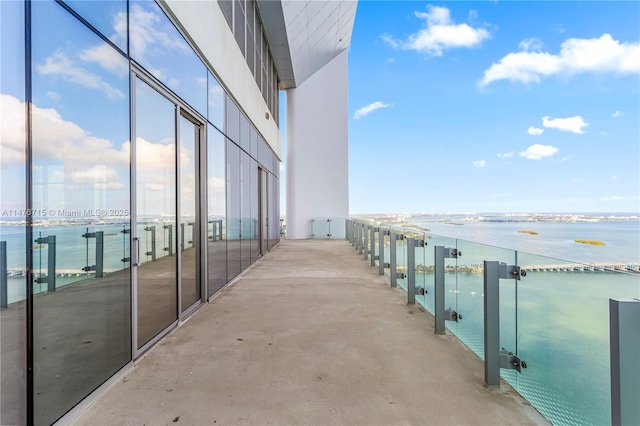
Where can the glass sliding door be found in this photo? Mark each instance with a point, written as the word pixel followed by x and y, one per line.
pixel 216 211
pixel 233 210
pixel 246 225
pixel 155 224
pixel 190 290
pixel 263 212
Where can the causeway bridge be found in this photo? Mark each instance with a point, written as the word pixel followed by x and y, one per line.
pixel 585 267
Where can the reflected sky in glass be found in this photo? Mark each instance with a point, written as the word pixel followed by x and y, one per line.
pixel 80 116
pixel 216 103
pixel 155 153
pixel 158 46
pixel 108 17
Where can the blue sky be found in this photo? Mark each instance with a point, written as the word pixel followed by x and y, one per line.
pixel 494 107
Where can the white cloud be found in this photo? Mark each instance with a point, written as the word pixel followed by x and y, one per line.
pixel 146 34
pixel 577 56
pixel 60 65
pixel 100 177
pixel 614 177
pixel 569 124
pixel 506 155
pixel 615 198
pixel 361 112
pixel 537 151
pixel 107 57
pixel 617 114
pixel 529 44
pixel 535 131
pixel 439 33
pixel 479 163
pixel 501 195
pixel 603 133
pixel 12 148
pixel 57 138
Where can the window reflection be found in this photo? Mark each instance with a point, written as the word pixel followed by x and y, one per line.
pixel 80 172
pixel 155 151
pixel 158 46
pixel 189 217
pixel 255 224
pixel 107 16
pixel 216 211
pixel 13 267
pixel 216 103
pixel 232 120
pixel 233 210
pixel 246 225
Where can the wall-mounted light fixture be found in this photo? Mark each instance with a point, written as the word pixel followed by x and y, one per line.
pixel 266 115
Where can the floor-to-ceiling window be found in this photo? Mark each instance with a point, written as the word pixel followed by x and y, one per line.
pixel 155 232
pixel 80 194
pixel 233 210
pixel 216 211
pixel 109 169
pixel 13 222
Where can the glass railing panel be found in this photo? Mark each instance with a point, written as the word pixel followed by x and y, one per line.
pixel 385 249
pixel 401 259
pixel 468 288
pixel 423 258
pixel 450 277
pixel 563 335
pixel 320 228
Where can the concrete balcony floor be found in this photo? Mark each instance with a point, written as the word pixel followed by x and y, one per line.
pixel 311 334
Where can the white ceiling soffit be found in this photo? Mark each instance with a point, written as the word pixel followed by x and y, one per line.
pixel 304 35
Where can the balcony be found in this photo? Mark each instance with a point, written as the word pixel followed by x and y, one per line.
pixel 309 335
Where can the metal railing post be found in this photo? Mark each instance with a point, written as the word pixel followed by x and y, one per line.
pixel 100 254
pixel 4 299
pixel 624 336
pixel 373 231
pixel 360 238
pixel 412 243
pixel 440 253
pixel 393 264
pixel 366 242
pixel 494 356
pixel 393 256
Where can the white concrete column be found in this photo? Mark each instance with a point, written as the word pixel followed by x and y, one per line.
pixel 317 169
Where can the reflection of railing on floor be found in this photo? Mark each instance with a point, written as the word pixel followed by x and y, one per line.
pixel 50 278
pixel 169 248
pixel 99 266
pixel 216 230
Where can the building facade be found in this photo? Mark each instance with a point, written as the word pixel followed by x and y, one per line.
pixel 140 173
